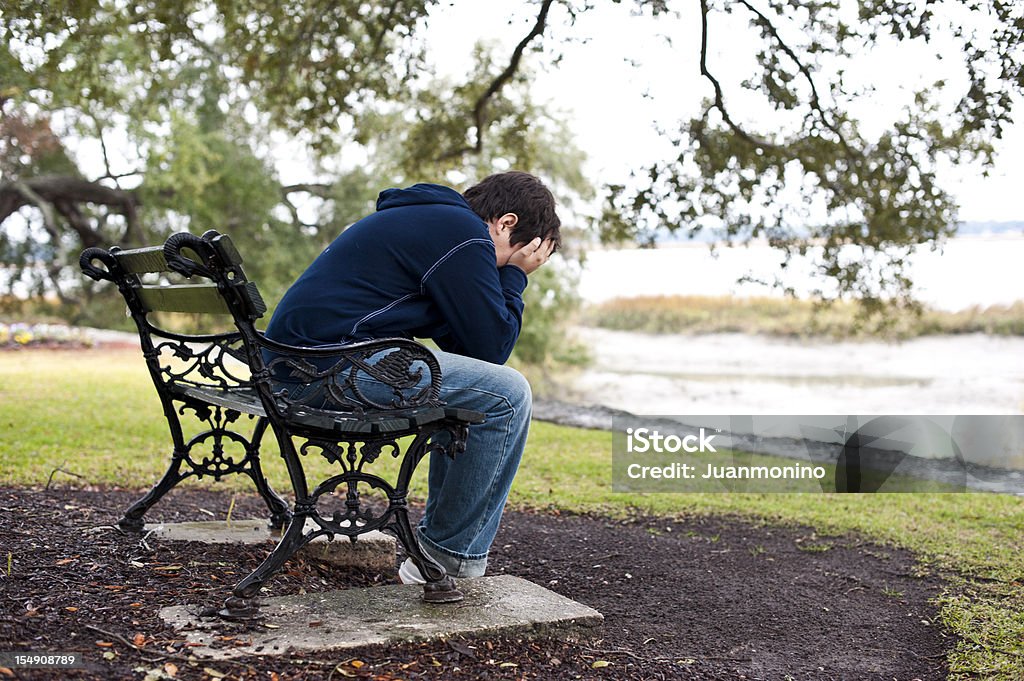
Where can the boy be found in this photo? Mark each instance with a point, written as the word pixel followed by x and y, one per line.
pixel 431 263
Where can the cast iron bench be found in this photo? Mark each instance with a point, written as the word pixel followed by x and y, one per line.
pixel 216 378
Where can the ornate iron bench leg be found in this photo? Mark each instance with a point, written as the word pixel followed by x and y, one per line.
pixel 280 514
pixel 448 438
pixel 243 604
pixel 133 521
pixel 440 588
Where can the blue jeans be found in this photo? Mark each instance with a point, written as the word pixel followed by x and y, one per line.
pixel 466 496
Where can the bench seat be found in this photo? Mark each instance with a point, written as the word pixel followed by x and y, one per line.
pixel 390 422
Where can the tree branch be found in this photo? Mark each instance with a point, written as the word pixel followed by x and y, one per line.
pixel 44 206
pixel 806 72
pixel 70 211
pixel 50 225
pixel 64 193
pixel 719 97
pixel 106 156
pixel 315 188
pixel 480 108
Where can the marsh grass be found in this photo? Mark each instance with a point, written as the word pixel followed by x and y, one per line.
pixel 793 318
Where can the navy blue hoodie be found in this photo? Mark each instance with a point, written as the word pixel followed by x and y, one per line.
pixel 422 266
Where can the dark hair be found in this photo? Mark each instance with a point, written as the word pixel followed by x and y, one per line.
pixel 520 193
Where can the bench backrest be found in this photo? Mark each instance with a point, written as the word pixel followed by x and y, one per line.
pixel 212 256
pixel 184 358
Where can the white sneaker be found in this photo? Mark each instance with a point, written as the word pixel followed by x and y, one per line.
pixel 408 573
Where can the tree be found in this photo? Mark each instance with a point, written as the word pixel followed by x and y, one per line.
pixel 198 87
pixel 868 200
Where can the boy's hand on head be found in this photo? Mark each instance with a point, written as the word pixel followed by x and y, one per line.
pixel 532 255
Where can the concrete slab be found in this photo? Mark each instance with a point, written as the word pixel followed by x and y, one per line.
pixel 373 550
pixel 336 620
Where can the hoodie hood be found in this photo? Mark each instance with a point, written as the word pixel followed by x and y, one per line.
pixel 420 194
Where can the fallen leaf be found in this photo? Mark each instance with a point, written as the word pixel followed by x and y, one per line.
pixel 508 664
pixel 214 673
pixel 462 649
pixel 171 669
pixel 598 664
pixel 135 605
pixel 6 672
pixel 167 567
pixel 65 561
pixel 109 655
pixel 357 663
pixel 139 640
pixel 271 626
pixel 71 608
pixel 274 676
pixel 344 671
pixel 104 644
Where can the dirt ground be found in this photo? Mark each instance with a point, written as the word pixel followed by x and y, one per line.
pixel 695 598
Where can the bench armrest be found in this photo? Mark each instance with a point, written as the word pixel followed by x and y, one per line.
pixel 407 367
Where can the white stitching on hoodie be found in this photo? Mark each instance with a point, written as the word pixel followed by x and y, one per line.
pixel 448 255
pixel 422 280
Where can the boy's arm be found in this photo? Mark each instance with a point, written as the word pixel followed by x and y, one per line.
pixel 482 304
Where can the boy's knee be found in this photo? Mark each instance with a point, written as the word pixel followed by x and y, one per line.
pixel 516 388
pixel 511 385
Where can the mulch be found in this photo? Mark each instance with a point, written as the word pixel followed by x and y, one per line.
pixel 689 598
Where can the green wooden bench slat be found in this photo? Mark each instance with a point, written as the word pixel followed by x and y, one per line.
pixel 142 260
pixel 183 298
pixel 151 259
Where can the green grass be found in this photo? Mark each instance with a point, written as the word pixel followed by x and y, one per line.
pixel 96 413
pixel 794 318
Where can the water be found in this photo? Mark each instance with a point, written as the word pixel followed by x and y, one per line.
pixel 726 374
pixel 749 374
pixel 975 270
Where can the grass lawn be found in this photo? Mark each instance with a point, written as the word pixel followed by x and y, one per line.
pixel 96 413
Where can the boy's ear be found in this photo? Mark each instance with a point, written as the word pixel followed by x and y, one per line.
pixel 508 220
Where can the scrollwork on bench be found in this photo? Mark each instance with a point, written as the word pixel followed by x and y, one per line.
pixel 203 364
pixel 398 364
